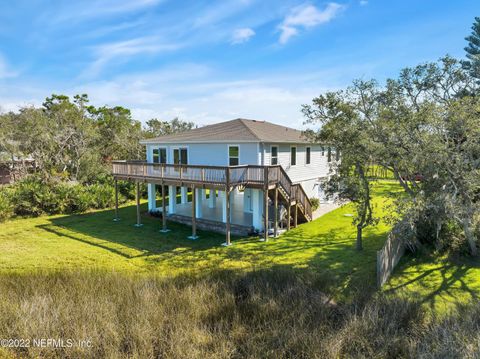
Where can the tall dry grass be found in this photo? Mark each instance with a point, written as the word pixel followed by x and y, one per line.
pixel 268 314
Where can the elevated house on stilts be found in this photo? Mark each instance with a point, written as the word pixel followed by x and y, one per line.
pixel 240 176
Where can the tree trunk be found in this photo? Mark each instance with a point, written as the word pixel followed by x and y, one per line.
pixel 359 245
pixel 470 236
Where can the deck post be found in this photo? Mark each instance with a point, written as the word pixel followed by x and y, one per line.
pixel 194 214
pixel 265 204
pixel 164 210
pixel 116 219
pixel 289 214
pixel 295 215
pixel 227 208
pixel 137 198
pixel 275 225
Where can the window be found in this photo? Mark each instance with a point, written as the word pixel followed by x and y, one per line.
pixel 274 156
pixel 329 154
pixel 307 155
pixel 233 155
pixel 293 156
pixel 159 155
pixel 180 156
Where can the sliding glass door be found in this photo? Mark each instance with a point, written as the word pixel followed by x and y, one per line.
pixel 180 156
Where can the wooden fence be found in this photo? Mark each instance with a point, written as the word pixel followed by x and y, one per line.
pixel 391 252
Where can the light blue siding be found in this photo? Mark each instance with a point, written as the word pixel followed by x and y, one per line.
pixel 210 154
pixel 216 154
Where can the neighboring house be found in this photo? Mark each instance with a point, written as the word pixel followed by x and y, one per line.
pixel 261 166
pixel 14 170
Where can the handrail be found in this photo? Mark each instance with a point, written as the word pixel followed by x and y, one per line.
pixel 170 164
pixel 217 175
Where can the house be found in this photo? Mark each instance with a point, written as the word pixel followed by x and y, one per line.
pixel 242 176
pixel 15 169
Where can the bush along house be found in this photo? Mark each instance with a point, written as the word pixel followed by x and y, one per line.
pixel 240 176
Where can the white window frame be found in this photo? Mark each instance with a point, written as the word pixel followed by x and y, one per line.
pixel 160 148
pixel 228 154
pixel 306 157
pixel 179 148
pixel 296 156
pixel 271 156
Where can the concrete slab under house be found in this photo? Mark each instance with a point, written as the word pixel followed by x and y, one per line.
pixel 243 176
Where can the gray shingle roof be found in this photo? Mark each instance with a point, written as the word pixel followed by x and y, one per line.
pixel 240 130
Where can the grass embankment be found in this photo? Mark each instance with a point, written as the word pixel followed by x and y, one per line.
pixel 261 314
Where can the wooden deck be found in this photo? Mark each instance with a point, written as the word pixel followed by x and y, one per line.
pixel 273 180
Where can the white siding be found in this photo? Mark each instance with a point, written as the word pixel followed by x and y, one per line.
pixel 301 172
pixel 311 188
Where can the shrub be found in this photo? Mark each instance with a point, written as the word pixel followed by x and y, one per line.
pixel 34 196
pixel 6 208
pixel 125 188
pixel 315 203
pixel 101 195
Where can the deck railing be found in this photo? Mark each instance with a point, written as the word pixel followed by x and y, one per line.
pixel 215 175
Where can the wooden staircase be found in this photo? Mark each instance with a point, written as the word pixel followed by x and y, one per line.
pixel 290 194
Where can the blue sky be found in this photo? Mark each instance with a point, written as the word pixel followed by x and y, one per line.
pixel 209 61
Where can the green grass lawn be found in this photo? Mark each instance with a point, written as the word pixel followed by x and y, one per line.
pixel 94 241
pixel 323 248
pixel 439 283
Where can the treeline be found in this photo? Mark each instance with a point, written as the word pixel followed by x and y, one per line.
pixel 72 144
pixel 424 128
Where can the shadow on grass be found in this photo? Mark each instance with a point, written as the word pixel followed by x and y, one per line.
pixel 98 229
pixel 436 281
pixel 324 246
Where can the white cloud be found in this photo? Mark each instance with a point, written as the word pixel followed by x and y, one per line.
pixel 218 12
pixel 306 16
pixel 242 35
pixel 198 92
pixel 123 50
pixel 78 11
